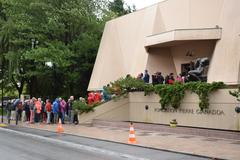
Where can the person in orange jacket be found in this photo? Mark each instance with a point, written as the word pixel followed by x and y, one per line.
pixel 38 108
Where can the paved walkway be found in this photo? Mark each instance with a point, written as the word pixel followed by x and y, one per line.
pixel 210 147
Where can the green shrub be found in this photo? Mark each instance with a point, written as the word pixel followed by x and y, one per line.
pixel 148 89
pixel 235 94
pixel 123 86
pixel 170 95
pixel 202 89
pixel 82 107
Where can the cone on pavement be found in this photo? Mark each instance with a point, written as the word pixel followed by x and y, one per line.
pixel 132 138
pixel 59 127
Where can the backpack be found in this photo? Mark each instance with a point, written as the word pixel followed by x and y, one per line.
pixel 12 107
pixel 15 103
pixel 20 106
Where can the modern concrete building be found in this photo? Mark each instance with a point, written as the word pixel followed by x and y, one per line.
pixel 165 37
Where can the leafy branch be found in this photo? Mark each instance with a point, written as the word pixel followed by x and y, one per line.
pixel 170 95
pixel 235 94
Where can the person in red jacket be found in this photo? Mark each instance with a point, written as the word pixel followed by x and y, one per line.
pixel 97 97
pixel 48 107
pixel 90 98
pixel 19 109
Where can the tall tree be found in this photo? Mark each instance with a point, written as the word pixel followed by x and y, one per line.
pixel 64 33
pixel 50 46
pixel 120 8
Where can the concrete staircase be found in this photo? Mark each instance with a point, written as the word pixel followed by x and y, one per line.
pixel 112 110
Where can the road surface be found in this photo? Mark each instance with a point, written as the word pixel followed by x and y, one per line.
pixel 31 144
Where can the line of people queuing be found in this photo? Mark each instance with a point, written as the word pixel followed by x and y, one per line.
pixel 35 111
pixel 158 78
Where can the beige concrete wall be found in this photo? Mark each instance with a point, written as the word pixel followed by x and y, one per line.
pixel 122 49
pixel 225 60
pixel 186 14
pixel 177 36
pixel 109 62
pixel 160 60
pixel 113 110
pixel 219 101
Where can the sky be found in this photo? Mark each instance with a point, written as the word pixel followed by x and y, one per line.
pixel 141 3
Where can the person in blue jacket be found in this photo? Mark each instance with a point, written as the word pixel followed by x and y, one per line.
pixel 146 77
pixel 55 109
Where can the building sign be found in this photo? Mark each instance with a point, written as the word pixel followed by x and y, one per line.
pixel 191 111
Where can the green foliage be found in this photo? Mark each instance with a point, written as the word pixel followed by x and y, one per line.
pixel 148 89
pixel 235 94
pixel 202 89
pixel 170 95
pixel 120 8
pixel 82 107
pixel 66 33
pixel 123 86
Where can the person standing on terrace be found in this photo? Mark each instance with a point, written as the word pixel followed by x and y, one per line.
pixel 146 77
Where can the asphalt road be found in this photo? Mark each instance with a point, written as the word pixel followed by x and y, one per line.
pixel 31 144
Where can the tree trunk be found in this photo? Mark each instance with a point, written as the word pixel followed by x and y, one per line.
pixel 19 88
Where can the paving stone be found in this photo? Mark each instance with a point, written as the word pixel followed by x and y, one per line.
pixel 164 134
pixel 143 134
pixel 186 137
pixel 237 142
pixel 211 139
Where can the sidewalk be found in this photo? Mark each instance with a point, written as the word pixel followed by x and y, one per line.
pixel 197 145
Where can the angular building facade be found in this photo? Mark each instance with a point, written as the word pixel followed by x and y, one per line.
pixel 167 36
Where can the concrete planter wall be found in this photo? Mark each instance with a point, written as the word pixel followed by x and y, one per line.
pixel 140 108
pixel 220 115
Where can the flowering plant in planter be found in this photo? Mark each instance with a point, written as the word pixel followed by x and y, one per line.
pixel 173 123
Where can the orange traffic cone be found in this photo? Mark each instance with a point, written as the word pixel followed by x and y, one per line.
pixel 132 138
pixel 59 127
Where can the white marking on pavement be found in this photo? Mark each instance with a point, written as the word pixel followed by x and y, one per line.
pixel 74 145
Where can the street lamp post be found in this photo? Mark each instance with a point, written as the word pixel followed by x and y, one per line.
pixel 2 95
pixel 2 83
